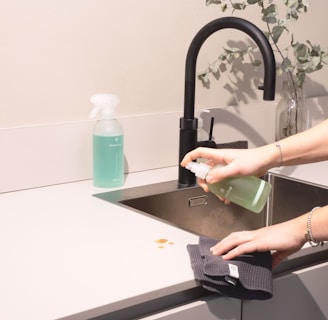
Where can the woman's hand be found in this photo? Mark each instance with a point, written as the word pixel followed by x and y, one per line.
pixel 284 239
pixel 235 162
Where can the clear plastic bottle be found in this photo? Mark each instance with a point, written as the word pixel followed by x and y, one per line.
pixel 247 191
pixel 108 143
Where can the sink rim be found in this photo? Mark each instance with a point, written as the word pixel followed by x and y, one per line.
pixel 121 196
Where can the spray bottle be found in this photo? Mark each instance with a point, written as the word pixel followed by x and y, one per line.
pixel 108 152
pixel 247 191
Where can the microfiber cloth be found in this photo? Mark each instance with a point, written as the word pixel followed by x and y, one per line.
pixel 247 277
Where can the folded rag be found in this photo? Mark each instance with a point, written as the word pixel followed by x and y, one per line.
pixel 247 277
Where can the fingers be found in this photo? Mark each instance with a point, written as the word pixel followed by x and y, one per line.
pixel 203 184
pixel 243 242
pixel 221 161
pixel 219 173
pixel 237 243
pixel 201 152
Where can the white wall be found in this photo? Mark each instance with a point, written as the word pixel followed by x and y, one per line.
pixel 54 54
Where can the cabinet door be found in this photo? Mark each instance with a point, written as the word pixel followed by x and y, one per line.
pixel 209 308
pixel 301 295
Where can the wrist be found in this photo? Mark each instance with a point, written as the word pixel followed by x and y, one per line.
pixel 309 230
pixel 272 155
pixel 280 156
pixel 301 231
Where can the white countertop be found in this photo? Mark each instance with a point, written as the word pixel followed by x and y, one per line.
pixel 65 252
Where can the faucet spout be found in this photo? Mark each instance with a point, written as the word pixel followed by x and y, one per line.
pixel 188 123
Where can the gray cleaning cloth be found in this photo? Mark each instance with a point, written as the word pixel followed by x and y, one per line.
pixel 247 277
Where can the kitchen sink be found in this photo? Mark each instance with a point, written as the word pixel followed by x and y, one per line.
pixel 203 213
pixel 292 197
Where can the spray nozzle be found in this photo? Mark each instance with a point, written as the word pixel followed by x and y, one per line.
pixel 104 102
pixel 199 169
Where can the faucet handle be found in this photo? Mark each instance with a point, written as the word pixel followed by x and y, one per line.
pixel 210 136
pixel 210 143
pixel 261 87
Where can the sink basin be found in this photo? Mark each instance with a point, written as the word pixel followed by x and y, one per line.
pixel 291 198
pixel 203 213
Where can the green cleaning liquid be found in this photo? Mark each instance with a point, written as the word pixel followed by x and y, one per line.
pixel 108 161
pixel 247 191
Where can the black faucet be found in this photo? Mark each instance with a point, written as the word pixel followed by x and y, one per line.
pixel 188 123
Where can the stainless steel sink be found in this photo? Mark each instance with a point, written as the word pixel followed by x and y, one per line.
pixel 291 198
pixel 203 213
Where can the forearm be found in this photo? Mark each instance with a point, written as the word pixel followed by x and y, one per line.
pixel 305 147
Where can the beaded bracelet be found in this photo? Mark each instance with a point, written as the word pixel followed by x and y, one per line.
pixel 309 235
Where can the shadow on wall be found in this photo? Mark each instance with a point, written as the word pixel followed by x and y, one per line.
pixel 318 109
pixel 223 116
pixel 243 79
pixel 317 89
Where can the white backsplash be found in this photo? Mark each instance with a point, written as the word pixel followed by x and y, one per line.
pixel 59 153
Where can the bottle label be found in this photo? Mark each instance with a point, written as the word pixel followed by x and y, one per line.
pixel 108 161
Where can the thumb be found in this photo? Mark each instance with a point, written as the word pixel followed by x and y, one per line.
pixel 219 173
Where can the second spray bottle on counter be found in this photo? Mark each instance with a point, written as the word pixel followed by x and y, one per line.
pixel 108 152
pixel 247 191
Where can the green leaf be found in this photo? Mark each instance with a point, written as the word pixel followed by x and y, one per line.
pixel 301 52
pixel 324 57
pixel 313 64
pixel 237 55
pixel 270 14
pixel 276 33
pixel 305 57
pixel 208 2
pixel 239 6
pixel 286 65
pixel 282 23
pixel 256 63
pixel 224 7
pixel 204 76
pixel 291 3
pixel 222 57
pixel 294 7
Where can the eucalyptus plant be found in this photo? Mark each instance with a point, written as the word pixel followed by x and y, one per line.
pixel 307 57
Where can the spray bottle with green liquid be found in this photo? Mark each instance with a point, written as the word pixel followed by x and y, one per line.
pixel 108 151
pixel 247 191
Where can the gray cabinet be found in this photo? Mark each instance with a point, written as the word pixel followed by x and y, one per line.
pixel 301 295
pixel 209 308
